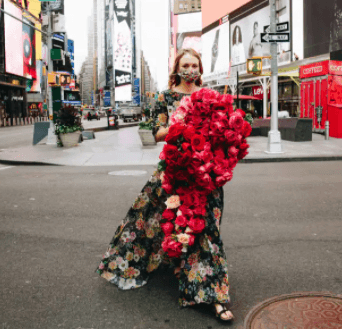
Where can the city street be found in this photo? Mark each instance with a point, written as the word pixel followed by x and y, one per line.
pixel 281 230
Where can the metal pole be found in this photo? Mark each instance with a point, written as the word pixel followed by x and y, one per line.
pixel 264 86
pixel 274 139
pixel 237 89
pixel 52 139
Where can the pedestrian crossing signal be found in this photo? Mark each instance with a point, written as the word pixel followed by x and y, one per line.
pixel 254 65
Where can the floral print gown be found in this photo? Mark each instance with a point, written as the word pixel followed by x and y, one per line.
pixel 135 250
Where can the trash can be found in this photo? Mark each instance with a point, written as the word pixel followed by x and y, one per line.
pixel 112 119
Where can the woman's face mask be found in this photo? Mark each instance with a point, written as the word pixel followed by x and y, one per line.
pixel 189 75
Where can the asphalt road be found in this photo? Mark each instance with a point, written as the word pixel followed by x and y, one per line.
pixel 281 230
pixel 18 136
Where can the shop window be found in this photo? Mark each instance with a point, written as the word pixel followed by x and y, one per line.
pixel 288 90
pixel 295 90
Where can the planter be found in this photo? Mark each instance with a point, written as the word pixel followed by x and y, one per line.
pixel 70 139
pixel 146 137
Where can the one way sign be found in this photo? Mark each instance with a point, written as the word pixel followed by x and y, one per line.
pixel 275 37
pixel 281 27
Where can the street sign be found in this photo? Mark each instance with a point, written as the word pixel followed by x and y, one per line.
pixel 281 27
pixel 275 37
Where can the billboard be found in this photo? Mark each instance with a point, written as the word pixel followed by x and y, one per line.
pixel 14 51
pixel 189 31
pixel 71 50
pixel 245 37
pixel 35 85
pixel 215 49
pixel 122 52
pixel 106 98
pixel 322 27
pixel 29 49
pixel 58 41
pixel 136 94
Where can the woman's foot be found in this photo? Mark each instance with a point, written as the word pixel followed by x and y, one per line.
pixel 223 312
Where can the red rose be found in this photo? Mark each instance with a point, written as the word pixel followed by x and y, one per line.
pixel 238 141
pixel 218 116
pixel 242 154
pixel 171 247
pixel 223 179
pixel 241 112
pixel 219 154
pixel 185 159
pixel 175 131
pixel 199 210
pixel 170 151
pixel 182 175
pixel 197 225
pixel 186 146
pixel 246 129
pixel 230 136
pixel 167 228
pixel 188 133
pixel 203 180
pixel 186 211
pixel 233 151
pixel 217 128
pixel 244 146
pixel 236 121
pixel 227 99
pixel 181 221
pixel 169 214
pixel 191 240
pixel 232 162
pixel 167 187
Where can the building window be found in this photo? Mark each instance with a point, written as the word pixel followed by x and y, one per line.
pixel 180 6
pixel 186 6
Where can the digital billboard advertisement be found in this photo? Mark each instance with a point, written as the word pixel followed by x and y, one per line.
pixel 106 98
pixel 136 94
pixel 322 27
pixel 29 48
pixel 122 43
pixel 71 51
pixel 14 52
pixel 215 49
pixel 245 36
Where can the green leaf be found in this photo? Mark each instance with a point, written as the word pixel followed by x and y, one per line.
pixel 162 165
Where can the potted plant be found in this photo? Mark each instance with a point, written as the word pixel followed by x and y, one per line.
pixel 68 127
pixel 145 133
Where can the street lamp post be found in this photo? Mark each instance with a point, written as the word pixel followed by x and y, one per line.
pixel 52 139
pixel 274 139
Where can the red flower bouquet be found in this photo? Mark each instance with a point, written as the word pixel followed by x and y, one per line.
pixel 206 139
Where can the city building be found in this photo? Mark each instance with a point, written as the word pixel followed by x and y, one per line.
pixel 187 6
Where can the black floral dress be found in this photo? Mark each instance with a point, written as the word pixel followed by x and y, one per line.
pixel 135 250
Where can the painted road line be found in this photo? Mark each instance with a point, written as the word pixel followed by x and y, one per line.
pixel 3 168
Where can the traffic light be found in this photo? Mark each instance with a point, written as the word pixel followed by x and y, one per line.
pixel 254 65
pixel 64 79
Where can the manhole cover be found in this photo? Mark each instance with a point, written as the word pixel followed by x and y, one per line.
pixel 310 310
pixel 128 173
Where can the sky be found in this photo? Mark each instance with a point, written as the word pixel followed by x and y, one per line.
pixel 154 27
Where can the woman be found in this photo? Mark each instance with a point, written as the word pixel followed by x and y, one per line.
pixel 238 52
pixel 135 250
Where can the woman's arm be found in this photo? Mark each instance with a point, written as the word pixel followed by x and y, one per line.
pixel 160 119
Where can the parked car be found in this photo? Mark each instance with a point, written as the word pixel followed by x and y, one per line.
pixel 130 112
pixel 92 114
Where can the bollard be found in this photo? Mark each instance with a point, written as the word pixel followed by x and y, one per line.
pixel 326 130
pixel 18 121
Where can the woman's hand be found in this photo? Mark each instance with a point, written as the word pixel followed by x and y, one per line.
pixel 161 134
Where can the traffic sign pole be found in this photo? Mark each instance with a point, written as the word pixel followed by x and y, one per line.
pixel 274 139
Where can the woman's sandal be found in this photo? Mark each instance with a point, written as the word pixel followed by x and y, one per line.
pixel 224 310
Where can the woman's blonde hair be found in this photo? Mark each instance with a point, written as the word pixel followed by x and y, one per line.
pixel 174 78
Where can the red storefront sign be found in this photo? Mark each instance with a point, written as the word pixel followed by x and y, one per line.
pixel 314 70
pixel 258 92
pixel 335 67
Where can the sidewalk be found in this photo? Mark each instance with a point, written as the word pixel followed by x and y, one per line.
pixel 123 147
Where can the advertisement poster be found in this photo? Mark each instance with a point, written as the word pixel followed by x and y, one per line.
pixel 29 49
pixel 322 27
pixel 215 50
pixel 106 98
pixel 136 94
pixel 122 42
pixel 190 40
pixel 58 41
pixel 14 52
pixel 71 55
pixel 189 31
pixel 245 36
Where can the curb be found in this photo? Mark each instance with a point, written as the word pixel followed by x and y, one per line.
pixel 97 129
pixel 246 161
pixel 293 159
